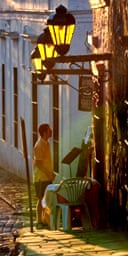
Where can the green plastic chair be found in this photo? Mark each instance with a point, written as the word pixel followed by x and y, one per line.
pixel 70 195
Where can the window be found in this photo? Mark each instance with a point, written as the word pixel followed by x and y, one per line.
pixel 15 88
pixel 3 104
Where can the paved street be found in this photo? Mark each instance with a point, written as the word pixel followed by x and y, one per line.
pixel 12 194
pixel 14 216
pixel 13 198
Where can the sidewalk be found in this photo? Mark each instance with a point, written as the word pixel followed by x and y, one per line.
pixel 78 242
pixel 14 215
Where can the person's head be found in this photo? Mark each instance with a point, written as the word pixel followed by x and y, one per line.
pixel 45 131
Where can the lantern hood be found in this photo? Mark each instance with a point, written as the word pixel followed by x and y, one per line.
pixel 35 53
pixel 61 17
pixel 45 37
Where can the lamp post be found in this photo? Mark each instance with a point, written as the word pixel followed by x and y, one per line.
pixel 61 26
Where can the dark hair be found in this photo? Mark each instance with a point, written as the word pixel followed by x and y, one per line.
pixel 43 128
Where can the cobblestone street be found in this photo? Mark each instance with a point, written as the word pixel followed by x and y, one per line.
pixel 15 223
pixel 12 194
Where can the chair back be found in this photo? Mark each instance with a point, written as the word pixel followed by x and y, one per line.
pixel 73 189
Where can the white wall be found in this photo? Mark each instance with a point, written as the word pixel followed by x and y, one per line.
pixel 42 4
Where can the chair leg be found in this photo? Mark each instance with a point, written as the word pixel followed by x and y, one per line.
pixel 66 217
pixel 52 224
pixel 53 219
pixel 58 217
pixel 85 218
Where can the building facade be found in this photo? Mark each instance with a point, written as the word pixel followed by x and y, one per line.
pixel 20 23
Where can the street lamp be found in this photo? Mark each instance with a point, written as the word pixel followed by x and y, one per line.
pixel 55 42
pixel 61 25
pixel 46 48
pixel 37 63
